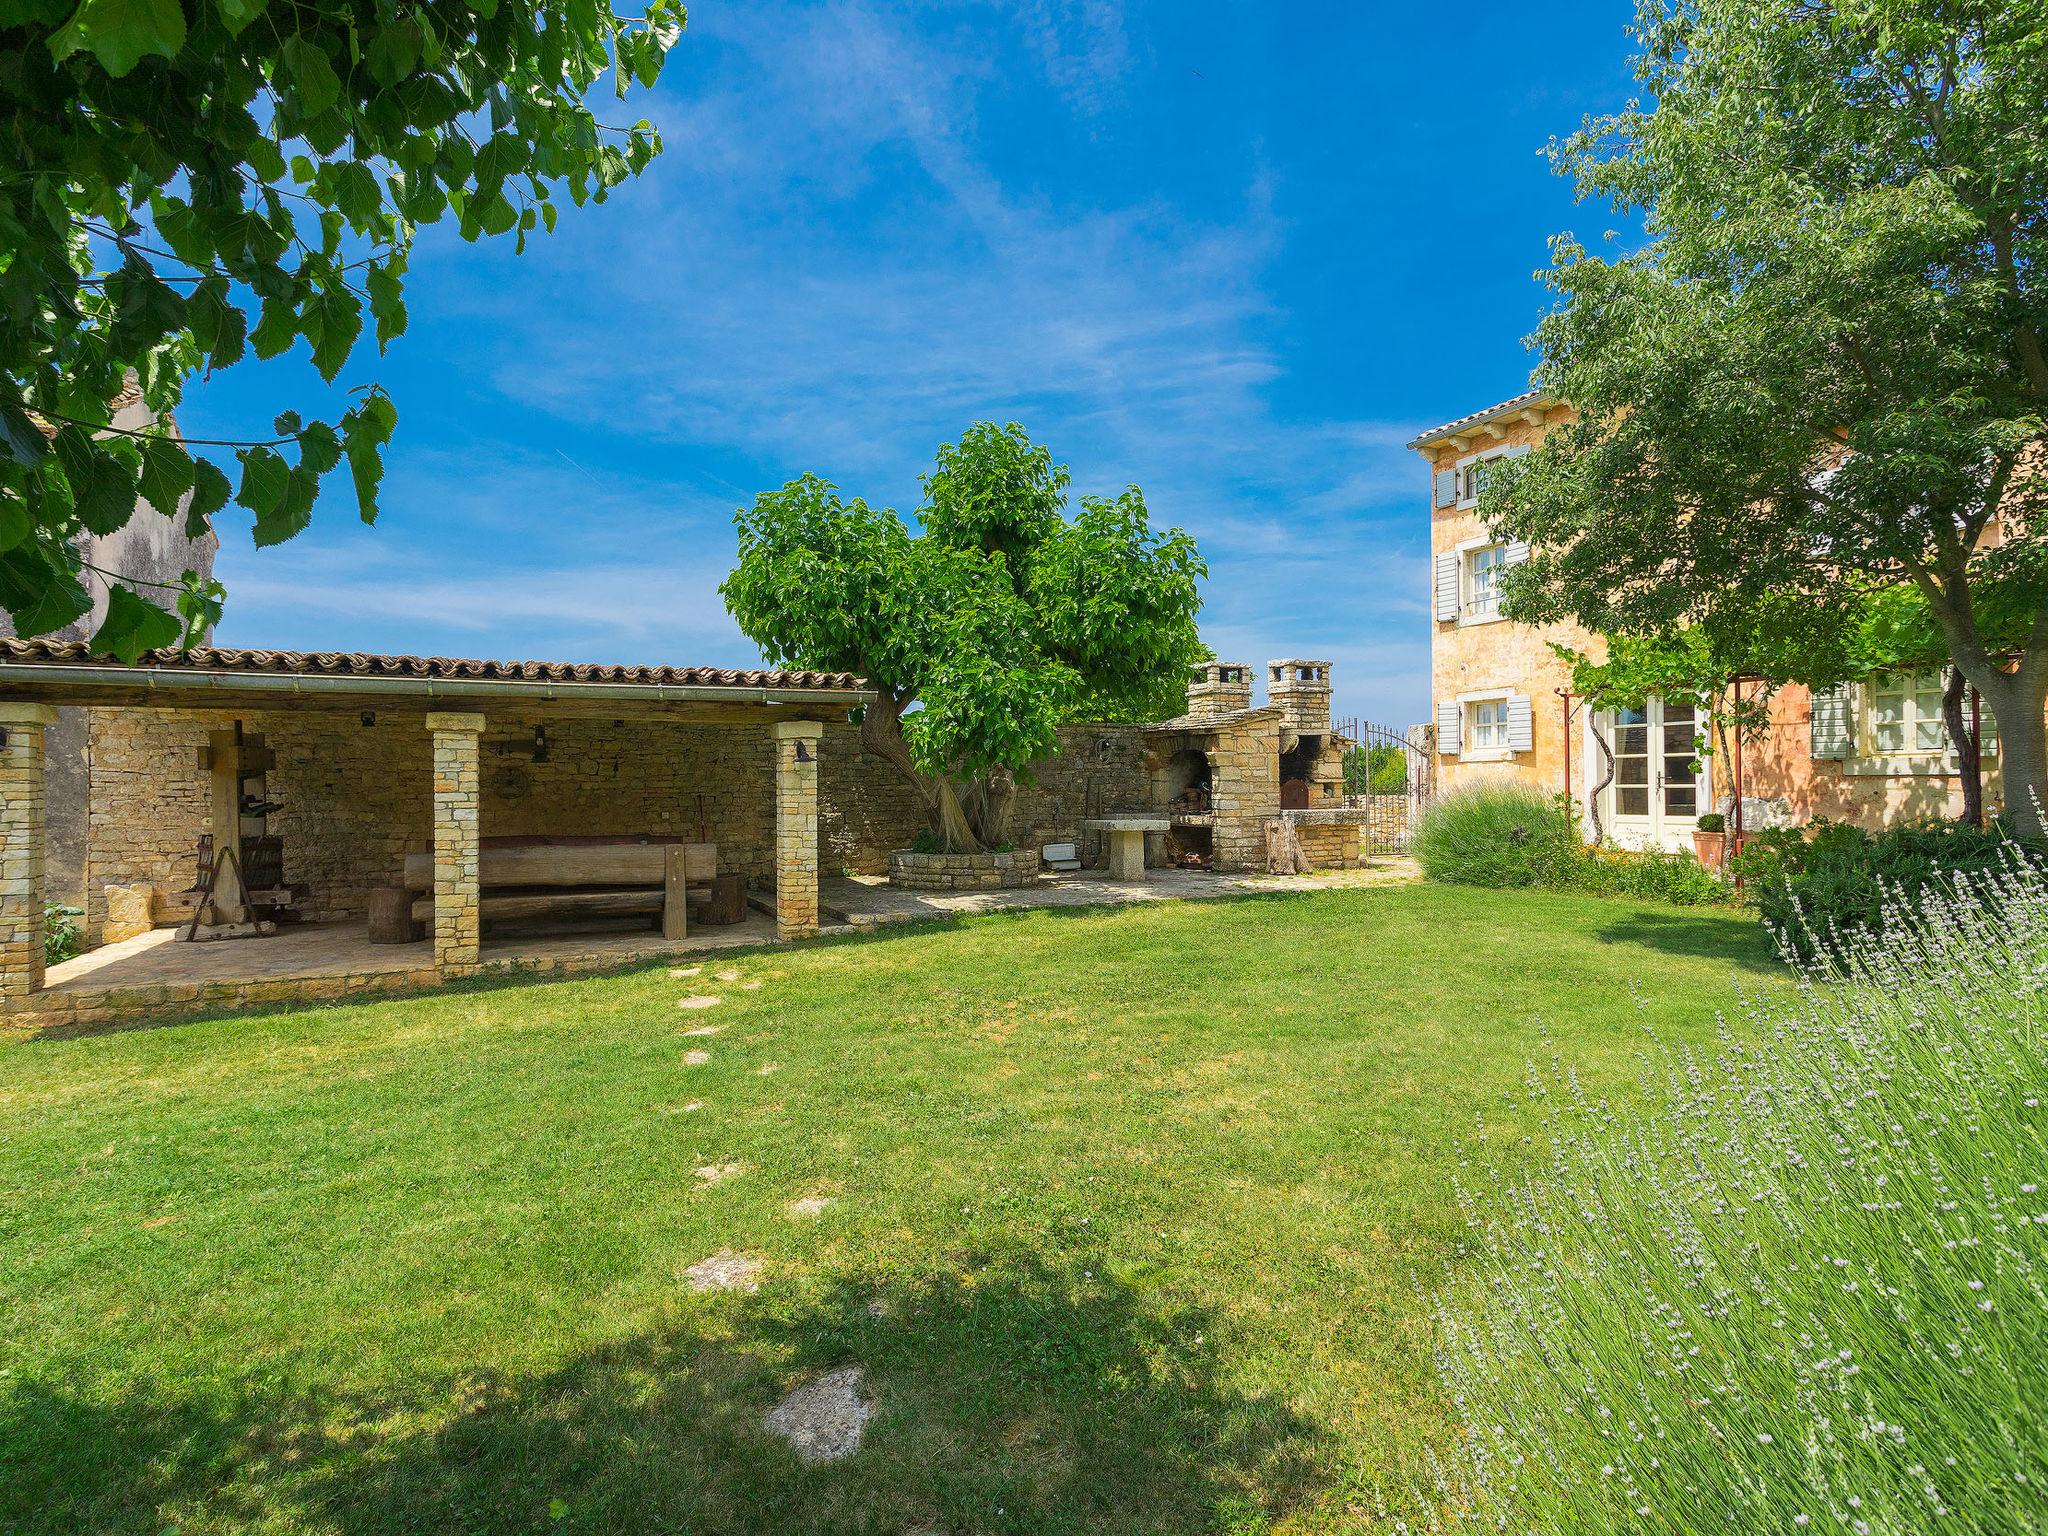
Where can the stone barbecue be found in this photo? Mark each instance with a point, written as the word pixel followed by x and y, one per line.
pixel 1242 784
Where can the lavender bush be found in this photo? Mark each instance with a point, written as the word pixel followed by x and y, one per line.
pixel 1803 1285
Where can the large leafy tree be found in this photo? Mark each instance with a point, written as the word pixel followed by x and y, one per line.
pixel 169 168
pixel 1824 373
pixel 1001 618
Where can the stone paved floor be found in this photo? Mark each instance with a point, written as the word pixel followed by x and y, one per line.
pixel 343 949
pixel 160 958
pixel 866 901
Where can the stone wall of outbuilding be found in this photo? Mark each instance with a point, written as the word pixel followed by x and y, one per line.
pixel 355 793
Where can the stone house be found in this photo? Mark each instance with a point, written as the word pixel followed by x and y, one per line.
pixel 1868 752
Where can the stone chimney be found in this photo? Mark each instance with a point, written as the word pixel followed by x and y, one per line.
pixel 1216 688
pixel 1302 690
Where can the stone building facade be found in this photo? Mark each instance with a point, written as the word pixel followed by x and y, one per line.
pixel 1502 706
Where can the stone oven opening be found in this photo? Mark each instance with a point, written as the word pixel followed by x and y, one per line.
pixel 1187 783
pixel 1296 765
pixel 1191 847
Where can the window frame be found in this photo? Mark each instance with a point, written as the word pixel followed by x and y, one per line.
pixel 1463 551
pixel 1469 749
pixel 1869 758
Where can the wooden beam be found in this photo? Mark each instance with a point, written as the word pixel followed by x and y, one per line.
pixel 225 773
pixel 518 904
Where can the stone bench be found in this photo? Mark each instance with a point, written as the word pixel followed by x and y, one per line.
pixel 571 877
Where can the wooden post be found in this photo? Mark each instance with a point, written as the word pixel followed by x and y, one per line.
pixel 224 758
pixel 675 905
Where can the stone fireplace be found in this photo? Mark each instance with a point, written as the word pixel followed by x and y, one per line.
pixel 1231 775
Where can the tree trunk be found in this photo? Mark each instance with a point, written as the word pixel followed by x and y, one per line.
pixel 2017 701
pixel 1969 759
pixel 1607 775
pixel 966 818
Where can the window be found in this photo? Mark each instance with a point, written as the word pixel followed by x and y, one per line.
pixel 1488 725
pixel 1482 581
pixel 1905 713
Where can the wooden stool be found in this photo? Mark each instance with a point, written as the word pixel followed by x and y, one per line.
pixel 391 919
pixel 728 903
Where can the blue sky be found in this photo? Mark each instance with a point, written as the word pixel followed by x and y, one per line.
pixel 1236 255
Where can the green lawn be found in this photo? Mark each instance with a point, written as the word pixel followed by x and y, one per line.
pixel 1132 1219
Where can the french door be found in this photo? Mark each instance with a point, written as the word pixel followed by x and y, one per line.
pixel 1661 783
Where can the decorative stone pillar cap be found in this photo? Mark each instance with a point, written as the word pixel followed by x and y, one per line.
pixel 799 730
pixel 14 712
pixel 468 724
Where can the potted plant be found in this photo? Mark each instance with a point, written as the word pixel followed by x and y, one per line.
pixel 1710 839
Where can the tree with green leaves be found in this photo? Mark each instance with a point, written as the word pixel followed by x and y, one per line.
pixel 170 167
pixel 1824 374
pixel 999 620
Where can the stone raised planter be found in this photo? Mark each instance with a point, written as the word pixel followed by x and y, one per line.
pixel 963 871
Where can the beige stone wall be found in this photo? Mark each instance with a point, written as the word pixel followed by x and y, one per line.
pixel 1779 767
pixel 1472 657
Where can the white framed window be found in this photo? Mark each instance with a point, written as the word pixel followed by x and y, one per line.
pixel 1899 727
pixel 1905 714
pixel 1483 568
pixel 1486 725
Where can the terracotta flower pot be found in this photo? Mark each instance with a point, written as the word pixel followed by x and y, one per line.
pixel 1712 848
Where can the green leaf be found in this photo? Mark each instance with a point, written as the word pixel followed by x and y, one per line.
pixel 387 300
pixel 277 328
pixel 311 75
pixel 121 33
pixel 133 625
pixel 166 474
pixel 264 477
pixel 15 522
pixel 333 320
pixel 319 447
pixel 102 482
pixel 19 437
pixel 239 13
pixel 294 509
pixel 394 52
pixel 210 490
pixel 39 593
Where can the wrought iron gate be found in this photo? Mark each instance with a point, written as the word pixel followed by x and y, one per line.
pixel 1387 773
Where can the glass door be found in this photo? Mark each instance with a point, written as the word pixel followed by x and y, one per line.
pixel 1659 786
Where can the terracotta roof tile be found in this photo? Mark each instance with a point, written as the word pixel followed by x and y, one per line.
pixel 362 664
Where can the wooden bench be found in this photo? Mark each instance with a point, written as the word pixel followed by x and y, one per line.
pixel 580 877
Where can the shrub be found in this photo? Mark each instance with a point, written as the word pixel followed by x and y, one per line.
pixel 1712 821
pixel 1650 875
pixel 1818 885
pixel 1496 835
pixel 1802 1283
pixel 62 935
pixel 1511 835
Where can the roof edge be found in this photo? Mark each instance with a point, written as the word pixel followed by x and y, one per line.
pixel 1533 399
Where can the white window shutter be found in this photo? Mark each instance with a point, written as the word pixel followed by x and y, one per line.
pixel 1446 488
pixel 1521 724
pixel 1446 587
pixel 1448 715
pixel 1831 722
pixel 1515 553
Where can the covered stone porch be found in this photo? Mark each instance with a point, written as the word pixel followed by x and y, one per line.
pixel 372 759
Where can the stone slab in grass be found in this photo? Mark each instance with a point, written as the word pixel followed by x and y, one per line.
pixel 823 1419
pixel 725 1271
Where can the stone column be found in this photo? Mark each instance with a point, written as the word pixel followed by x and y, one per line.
pixel 21 848
pixel 458 922
pixel 796 827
